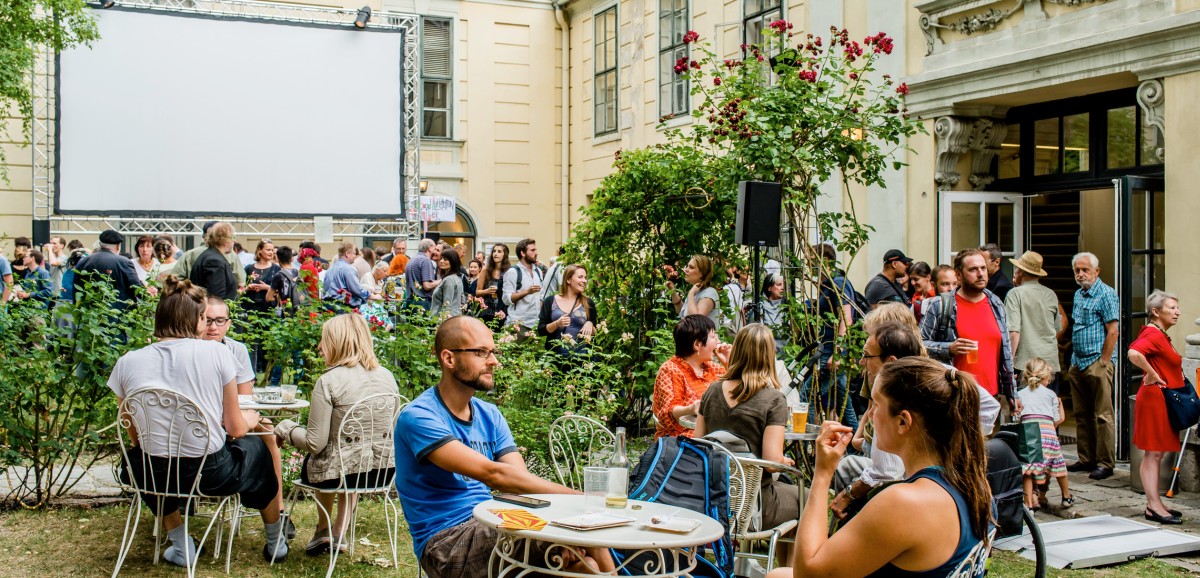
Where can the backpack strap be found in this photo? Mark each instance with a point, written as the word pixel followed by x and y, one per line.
pixel 944 320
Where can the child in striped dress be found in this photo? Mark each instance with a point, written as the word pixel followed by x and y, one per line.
pixel 1042 406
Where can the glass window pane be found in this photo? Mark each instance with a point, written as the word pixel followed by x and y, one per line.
pixel 1159 217
pixel 435 95
pixel 999 226
pixel 1150 145
pixel 1121 127
pixel 753 7
pixel 964 225
pixel 1045 141
pixel 1137 219
pixel 435 124
pixel 1076 155
pixel 1160 275
pixel 1009 159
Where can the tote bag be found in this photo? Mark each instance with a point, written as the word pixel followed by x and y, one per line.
pixel 1029 440
pixel 1183 407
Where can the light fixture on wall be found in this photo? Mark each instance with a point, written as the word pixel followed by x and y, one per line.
pixel 423 185
pixel 364 16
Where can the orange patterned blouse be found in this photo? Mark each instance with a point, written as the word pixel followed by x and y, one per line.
pixel 678 384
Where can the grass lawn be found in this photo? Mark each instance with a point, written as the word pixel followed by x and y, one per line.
pixel 83 542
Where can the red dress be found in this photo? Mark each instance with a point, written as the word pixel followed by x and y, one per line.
pixel 1151 429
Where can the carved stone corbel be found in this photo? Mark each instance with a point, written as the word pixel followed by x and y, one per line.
pixel 1153 99
pixel 953 139
pixel 986 136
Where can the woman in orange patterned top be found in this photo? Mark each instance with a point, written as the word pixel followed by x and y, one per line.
pixel 684 378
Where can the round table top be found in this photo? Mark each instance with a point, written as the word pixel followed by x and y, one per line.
pixel 632 536
pixel 245 403
pixel 803 437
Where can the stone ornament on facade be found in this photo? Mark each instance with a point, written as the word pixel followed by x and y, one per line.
pixel 934 11
pixel 1152 99
pixel 957 135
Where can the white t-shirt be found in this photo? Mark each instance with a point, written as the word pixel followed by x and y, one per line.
pixel 195 368
pixel 245 367
pixel 1040 401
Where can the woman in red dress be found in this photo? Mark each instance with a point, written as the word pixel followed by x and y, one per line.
pixel 1153 354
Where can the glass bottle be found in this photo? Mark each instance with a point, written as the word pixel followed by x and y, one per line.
pixel 618 475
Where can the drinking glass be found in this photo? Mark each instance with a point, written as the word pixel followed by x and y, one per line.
pixel 595 487
pixel 289 392
pixel 799 417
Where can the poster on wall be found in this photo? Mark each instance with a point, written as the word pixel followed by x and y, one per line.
pixel 436 209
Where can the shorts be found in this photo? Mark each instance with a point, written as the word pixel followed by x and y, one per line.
pixel 242 466
pixel 377 478
pixel 465 551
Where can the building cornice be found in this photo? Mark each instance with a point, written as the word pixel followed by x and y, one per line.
pixel 1151 49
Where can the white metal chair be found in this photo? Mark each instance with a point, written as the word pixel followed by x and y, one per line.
pixel 745 483
pixel 578 441
pixel 367 425
pixel 187 425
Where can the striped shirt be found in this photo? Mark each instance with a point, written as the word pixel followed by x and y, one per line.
pixel 1093 308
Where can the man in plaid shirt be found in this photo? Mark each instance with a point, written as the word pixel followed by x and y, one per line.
pixel 1094 340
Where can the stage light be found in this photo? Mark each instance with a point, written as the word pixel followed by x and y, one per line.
pixel 364 16
pixel 108 3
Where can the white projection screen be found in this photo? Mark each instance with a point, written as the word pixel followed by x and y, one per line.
pixel 192 115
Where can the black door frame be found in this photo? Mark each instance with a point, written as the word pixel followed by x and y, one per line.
pixel 1128 378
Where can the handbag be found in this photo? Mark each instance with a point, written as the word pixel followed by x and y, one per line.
pixel 1029 440
pixel 1183 407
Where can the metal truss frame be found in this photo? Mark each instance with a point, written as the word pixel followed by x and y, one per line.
pixel 43 132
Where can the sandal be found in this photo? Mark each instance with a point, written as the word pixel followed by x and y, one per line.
pixel 1068 501
pixel 319 543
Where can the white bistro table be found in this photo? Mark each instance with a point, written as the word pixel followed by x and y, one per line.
pixel 275 411
pixel 659 554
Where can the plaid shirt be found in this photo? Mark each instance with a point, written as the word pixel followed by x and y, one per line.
pixel 1093 308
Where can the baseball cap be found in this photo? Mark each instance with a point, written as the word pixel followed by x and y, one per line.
pixel 894 255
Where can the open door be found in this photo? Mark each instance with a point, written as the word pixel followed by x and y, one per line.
pixel 1140 270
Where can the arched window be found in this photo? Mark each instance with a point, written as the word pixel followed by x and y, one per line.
pixel 460 230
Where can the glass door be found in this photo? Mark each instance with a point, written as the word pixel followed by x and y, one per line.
pixel 1140 270
pixel 973 219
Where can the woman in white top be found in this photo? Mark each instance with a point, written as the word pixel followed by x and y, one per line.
pixel 702 298
pixel 205 372
pixel 144 263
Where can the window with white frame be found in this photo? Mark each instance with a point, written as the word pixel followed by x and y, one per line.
pixel 756 16
pixel 437 70
pixel 604 79
pixel 673 88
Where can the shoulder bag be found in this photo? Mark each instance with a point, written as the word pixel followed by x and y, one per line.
pixel 1183 407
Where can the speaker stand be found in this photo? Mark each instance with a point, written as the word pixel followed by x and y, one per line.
pixel 758 306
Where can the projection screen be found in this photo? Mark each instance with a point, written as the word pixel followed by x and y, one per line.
pixel 193 115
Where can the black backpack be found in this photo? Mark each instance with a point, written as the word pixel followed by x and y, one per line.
pixel 1005 479
pixel 682 472
pixel 859 306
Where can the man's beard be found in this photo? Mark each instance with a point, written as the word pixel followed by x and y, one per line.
pixel 1085 285
pixel 474 382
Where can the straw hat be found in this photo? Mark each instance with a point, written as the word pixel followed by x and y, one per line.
pixel 1029 262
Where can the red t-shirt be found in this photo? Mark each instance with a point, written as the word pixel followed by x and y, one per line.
pixel 977 322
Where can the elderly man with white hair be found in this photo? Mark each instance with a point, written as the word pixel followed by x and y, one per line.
pixel 1093 353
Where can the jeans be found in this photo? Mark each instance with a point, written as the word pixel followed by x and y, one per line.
pixel 824 402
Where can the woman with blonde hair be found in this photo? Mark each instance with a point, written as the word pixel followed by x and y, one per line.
pixel 570 313
pixel 748 402
pixel 211 270
pixel 702 298
pixel 353 375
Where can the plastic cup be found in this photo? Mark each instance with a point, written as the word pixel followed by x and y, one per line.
pixel 799 417
pixel 289 392
pixel 595 487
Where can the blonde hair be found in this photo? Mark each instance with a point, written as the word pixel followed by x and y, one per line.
pixel 218 235
pixel 752 362
pixel 893 312
pixel 705 267
pixel 1037 372
pixel 346 341
pixel 567 274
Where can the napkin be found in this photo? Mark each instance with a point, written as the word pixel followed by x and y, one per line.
pixel 515 519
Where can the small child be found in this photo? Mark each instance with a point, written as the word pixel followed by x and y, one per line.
pixel 1042 406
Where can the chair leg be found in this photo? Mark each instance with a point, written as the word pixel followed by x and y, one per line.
pixel 134 516
pixel 392 518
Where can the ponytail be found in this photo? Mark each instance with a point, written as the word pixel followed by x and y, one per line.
pixel 1037 372
pixel 948 402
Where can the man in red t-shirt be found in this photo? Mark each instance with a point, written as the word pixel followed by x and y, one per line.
pixel 975 338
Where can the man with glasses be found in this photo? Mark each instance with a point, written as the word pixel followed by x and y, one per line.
pixel 453 449
pixel 216 326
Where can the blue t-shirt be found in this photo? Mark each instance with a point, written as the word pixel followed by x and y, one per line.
pixel 435 499
pixel 5 269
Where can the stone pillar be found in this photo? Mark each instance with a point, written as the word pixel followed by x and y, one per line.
pixel 1191 355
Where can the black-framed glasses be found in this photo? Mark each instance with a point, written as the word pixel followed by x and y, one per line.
pixel 480 352
pixel 216 321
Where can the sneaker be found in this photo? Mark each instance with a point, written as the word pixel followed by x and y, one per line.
pixel 319 543
pixel 1068 501
pixel 289 529
pixel 342 545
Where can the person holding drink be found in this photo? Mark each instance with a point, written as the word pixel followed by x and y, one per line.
pixel 973 335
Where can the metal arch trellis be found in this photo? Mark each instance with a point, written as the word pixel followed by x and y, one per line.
pixel 42 132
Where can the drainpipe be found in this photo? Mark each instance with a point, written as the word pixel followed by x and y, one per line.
pixel 566 117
